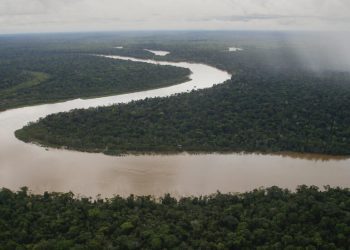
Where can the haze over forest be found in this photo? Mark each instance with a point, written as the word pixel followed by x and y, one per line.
pixel 328 19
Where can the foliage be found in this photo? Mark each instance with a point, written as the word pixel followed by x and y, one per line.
pixel 42 77
pixel 267 112
pixel 275 101
pixel 271 218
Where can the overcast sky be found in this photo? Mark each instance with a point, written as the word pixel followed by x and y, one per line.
pixel 18 16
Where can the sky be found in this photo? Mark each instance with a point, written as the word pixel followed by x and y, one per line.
pixel 26 16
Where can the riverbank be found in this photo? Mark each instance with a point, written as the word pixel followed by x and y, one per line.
pixel 91 174
pixel 268 113
pixel 57 77
pixel 294 155
pixel 264 218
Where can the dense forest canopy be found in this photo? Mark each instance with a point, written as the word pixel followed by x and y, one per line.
pixel 271 218
pixel 275 101
pixel 251 112
pixel 271 50
pixel 35 76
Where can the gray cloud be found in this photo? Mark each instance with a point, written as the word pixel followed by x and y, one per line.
pixel 82 15
pixel 248 18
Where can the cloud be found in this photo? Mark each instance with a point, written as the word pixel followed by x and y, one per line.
pixel 75 15
pixel 247 18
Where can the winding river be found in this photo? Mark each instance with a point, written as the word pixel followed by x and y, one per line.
pixel 91 174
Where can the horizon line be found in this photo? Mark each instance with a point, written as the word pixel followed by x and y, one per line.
pixel 172 30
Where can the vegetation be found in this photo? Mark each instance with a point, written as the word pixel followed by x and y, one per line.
pixel 42 77
pixel 271 218
pixel 275 102
pixel 71 72
pixel 28 79
pixel 252 112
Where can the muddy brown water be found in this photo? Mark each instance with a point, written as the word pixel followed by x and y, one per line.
pixel 90 174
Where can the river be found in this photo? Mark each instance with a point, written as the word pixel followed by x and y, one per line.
pixel 90 174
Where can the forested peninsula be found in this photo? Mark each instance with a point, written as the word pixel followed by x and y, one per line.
pixel 266 112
